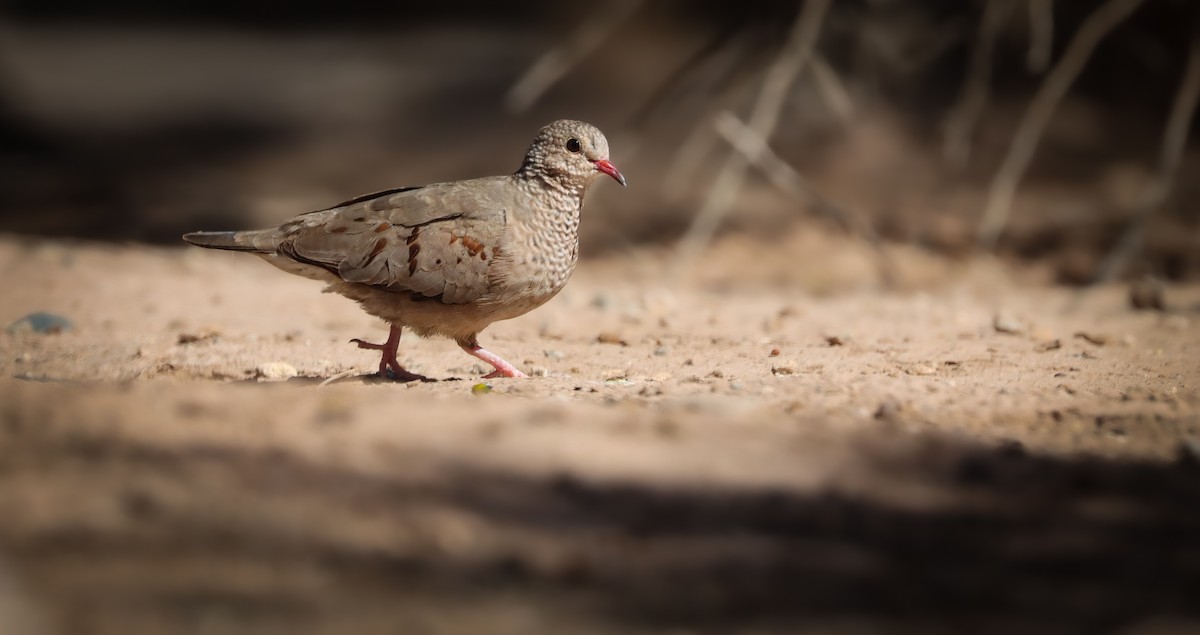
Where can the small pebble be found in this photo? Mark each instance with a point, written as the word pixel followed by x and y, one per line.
pixel 481 389
pixel 785 367
pixel 888 410
pixel 40 322
pixel 608 337
pixel 1093 338
pixel 194 338
pixel 1147 294
pixel 1048 345
pixel 662 351
pixel 275 371
pixel 1006 322
pixel 554 354
pixel 922 369
pixel 1189 450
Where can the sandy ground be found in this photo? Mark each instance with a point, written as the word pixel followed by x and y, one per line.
pixel 768 443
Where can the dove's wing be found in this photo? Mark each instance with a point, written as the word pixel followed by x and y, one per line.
pixel 438 241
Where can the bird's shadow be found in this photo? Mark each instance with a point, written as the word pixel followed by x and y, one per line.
pixel 369 379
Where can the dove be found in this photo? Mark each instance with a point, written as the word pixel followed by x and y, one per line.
pixel 446 259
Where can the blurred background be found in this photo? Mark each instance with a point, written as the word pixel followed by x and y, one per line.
pixel 1042 129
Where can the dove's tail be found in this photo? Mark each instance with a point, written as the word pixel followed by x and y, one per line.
pixel 233 241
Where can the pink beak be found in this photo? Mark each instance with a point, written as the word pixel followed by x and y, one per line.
pixel 605 166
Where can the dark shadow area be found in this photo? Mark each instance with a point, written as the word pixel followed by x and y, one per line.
pixel 1035 544
pixel 148 184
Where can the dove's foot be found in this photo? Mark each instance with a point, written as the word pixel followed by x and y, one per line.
pixel 503 368
pixel 389 366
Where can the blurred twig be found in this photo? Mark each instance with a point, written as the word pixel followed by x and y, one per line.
pixel 688 157
pixel 701 139
pixel 1041 35
pixel 715 61
pixel 1033 123
pixel 1175 135
pixel 961 124
pixel 763 118
pixel 723 58
pixel 832 89
pixel 551 66
pixel 759 154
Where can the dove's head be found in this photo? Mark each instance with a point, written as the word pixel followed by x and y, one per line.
pixel 570 152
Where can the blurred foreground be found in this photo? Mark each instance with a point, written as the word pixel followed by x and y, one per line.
pixel 715 456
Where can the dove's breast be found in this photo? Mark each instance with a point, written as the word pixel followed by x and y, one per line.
pixel 535 261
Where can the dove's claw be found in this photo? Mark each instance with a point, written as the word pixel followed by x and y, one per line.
pixel 389 366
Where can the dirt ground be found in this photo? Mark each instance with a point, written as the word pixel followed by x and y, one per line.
pixel 768 443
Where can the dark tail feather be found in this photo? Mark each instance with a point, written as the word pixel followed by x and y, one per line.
pixel 220 240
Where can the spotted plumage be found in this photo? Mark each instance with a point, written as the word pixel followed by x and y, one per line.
pixel 447 259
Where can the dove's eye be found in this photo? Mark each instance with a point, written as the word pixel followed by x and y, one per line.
pixel 573 145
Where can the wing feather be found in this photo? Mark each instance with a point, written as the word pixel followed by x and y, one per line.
pixel 436 241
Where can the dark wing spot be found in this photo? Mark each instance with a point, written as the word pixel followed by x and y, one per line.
pixel 382 227
pixel 289 250
pixel 483 255
pixel 473 246
pixel 453 238
pixel 413 236
pixel 413 250
pixel 341 229
pixel 379 247
pixel 439 219
pixel 374 195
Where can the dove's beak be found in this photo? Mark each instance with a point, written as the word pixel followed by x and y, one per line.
pixel 606 166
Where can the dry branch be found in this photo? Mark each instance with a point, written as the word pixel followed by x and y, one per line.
pixel 555 63
pixel 1041 35
pixel 831 89
pixel 1174 141
pixel 723 59
pixel 1033 123
pixel 763 118
pixel 961 124
pixel 759 154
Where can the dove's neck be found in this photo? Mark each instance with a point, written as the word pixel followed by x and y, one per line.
pixel 566 189
pixel 546 236
pixel 554 203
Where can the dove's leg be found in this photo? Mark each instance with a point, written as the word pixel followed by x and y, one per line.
pixel 388 359
pixel 503 368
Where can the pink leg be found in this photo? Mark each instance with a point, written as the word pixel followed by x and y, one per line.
pixel 388 360
pixel 503 368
